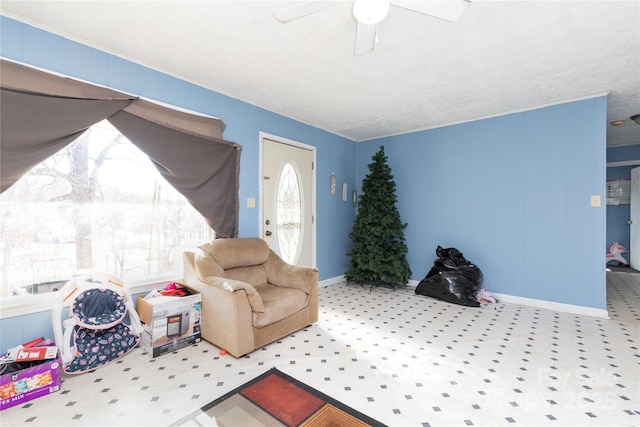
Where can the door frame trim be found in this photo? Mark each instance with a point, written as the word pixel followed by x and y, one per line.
pixel 297 144
pixel 634 221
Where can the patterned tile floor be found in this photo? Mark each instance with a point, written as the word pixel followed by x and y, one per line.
pixel 404 359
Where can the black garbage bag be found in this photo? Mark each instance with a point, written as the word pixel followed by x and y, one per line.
pixel 452 278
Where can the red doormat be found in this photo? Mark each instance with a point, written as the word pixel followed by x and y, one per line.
pixel 276 399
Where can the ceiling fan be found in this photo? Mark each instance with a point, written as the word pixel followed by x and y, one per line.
pixel 368 13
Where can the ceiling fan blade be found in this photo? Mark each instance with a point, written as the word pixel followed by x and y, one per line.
pixel 365 39
pixel 449 10
pixel 303 9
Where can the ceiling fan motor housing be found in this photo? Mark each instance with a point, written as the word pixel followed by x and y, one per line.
pixel 370 12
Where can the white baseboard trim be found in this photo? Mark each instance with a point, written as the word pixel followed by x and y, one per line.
pixel 512 299
pixel 332 281
pixel 555 306
pixel 340 279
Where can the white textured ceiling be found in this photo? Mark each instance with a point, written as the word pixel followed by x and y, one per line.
pixel 499 57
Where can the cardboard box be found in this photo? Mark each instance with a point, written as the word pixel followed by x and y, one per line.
pixel 170 322
pixel 30 383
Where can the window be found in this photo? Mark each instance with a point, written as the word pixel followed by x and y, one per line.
pixel 99 204
pixel 289 214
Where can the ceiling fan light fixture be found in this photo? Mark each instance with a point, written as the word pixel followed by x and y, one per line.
pixel 370 12
pixel 636 118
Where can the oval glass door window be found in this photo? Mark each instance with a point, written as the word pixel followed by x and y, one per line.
pixel 289 214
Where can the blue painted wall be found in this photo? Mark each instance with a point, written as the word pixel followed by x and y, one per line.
pixel 617 216
pixel 513 194
pixel 19 329
pixel 624 153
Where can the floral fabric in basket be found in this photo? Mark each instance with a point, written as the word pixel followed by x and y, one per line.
pixel 100 335
pixel 96 348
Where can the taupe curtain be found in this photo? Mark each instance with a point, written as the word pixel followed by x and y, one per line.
pixel 34 127
pixel 42 113
pixel 201 167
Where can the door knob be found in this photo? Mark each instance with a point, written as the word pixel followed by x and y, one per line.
pixel 267 233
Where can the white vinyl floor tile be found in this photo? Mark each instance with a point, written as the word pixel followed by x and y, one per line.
pixel 401 358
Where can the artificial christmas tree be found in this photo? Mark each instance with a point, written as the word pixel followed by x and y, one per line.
pixel 379 251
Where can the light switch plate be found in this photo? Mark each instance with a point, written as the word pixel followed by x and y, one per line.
pixel 251 202
pixel 595 201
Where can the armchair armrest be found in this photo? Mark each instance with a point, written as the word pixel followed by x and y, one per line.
pixel 236 285
pixel 201 266
pixel 280 273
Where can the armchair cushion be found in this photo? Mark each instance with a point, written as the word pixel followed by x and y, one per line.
pixel 237 252
pixel 279 303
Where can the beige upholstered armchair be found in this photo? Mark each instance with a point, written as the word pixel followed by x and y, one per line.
pixel 250 296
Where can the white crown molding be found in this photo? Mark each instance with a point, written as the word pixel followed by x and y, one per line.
pixel 623 163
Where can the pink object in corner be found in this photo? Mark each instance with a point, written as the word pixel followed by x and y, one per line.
pixel 615 254
pixel 483 295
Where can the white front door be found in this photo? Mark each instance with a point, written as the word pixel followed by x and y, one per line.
pixel 634 220
pixel 288 199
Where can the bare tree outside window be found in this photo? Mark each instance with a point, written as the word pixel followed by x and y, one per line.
pixel 99 204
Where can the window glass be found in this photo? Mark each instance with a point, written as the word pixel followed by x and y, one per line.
pixel 289 214
pixel 99 204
